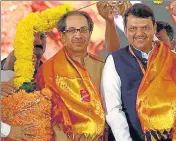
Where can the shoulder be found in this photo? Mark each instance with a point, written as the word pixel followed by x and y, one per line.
pixel 173 54
pixel 120 52
pixel 50 61
pixel 45 66
pixel 109 60
pixel 124 49
pixel 94 57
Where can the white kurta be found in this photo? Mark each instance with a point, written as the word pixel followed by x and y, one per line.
pixel 5 76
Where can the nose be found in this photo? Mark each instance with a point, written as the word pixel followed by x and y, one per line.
pixel 78 37
pixel 140 32
pixel 37 40
pixel 77 32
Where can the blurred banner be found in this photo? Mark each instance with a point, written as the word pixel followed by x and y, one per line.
pixel 13 11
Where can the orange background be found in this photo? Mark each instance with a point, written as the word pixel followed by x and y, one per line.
pixel 13 11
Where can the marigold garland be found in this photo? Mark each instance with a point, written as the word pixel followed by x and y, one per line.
pixel 24 38
pixel 31 108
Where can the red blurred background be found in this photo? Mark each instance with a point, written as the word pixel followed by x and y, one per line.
pixel 13 11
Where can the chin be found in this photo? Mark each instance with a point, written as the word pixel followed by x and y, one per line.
pixel 39 56
pixel 140 45
pixel 79 48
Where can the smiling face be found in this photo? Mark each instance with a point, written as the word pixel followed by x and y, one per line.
pixel 140 32
pixel 77 35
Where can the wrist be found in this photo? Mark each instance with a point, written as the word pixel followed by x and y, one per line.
pixel 110 22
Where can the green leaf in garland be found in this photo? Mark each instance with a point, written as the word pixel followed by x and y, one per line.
pixel 28 86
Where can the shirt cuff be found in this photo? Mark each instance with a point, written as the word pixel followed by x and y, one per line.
pixel 5 129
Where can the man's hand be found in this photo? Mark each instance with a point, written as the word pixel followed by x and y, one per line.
pixel 121 6
pixel 106 9
pixel 8 88
pixel 173 8
pixel 20 133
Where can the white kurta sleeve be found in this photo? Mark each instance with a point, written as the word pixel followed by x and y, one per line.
pixel 111 94
pixel 5 129
pixel 5 76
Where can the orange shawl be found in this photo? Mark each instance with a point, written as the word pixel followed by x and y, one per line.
pixel 156 99
pixel 76 101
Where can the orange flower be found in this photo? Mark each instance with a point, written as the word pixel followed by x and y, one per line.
pixel 23 108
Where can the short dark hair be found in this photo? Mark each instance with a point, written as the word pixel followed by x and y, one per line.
pixel 139 10
pixel 169 29
pixel 61 24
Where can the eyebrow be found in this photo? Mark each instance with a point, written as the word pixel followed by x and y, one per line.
pixel 138 26
pixel 76 28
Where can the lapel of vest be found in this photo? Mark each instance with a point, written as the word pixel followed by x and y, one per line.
pixel 134 62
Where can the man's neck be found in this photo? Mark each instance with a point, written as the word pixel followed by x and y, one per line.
pixel 147 50
pixel 81 55
pixel 78 56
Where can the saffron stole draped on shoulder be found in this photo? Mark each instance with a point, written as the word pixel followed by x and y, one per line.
pixel 76 101
pixel 156 99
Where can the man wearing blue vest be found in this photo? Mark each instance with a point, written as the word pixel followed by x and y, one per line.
pixel 138 82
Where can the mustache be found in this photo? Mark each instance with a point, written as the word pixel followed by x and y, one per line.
pixel 78 40
pixel 38 46
pixel 140 37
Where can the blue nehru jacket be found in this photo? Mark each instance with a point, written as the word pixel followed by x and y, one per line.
pixel 131 75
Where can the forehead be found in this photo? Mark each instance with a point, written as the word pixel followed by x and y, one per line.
pixel 76 21
pixel 139 22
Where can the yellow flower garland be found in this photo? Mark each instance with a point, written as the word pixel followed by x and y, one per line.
pixel 24 39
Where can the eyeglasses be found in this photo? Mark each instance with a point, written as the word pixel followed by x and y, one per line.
pixel 83 29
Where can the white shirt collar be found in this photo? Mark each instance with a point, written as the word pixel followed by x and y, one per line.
pixel 146 55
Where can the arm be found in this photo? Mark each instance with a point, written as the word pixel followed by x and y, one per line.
pixel 17 132
pixel 6 85
pixel 106 11
pixel 112 37
pixel 111 94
